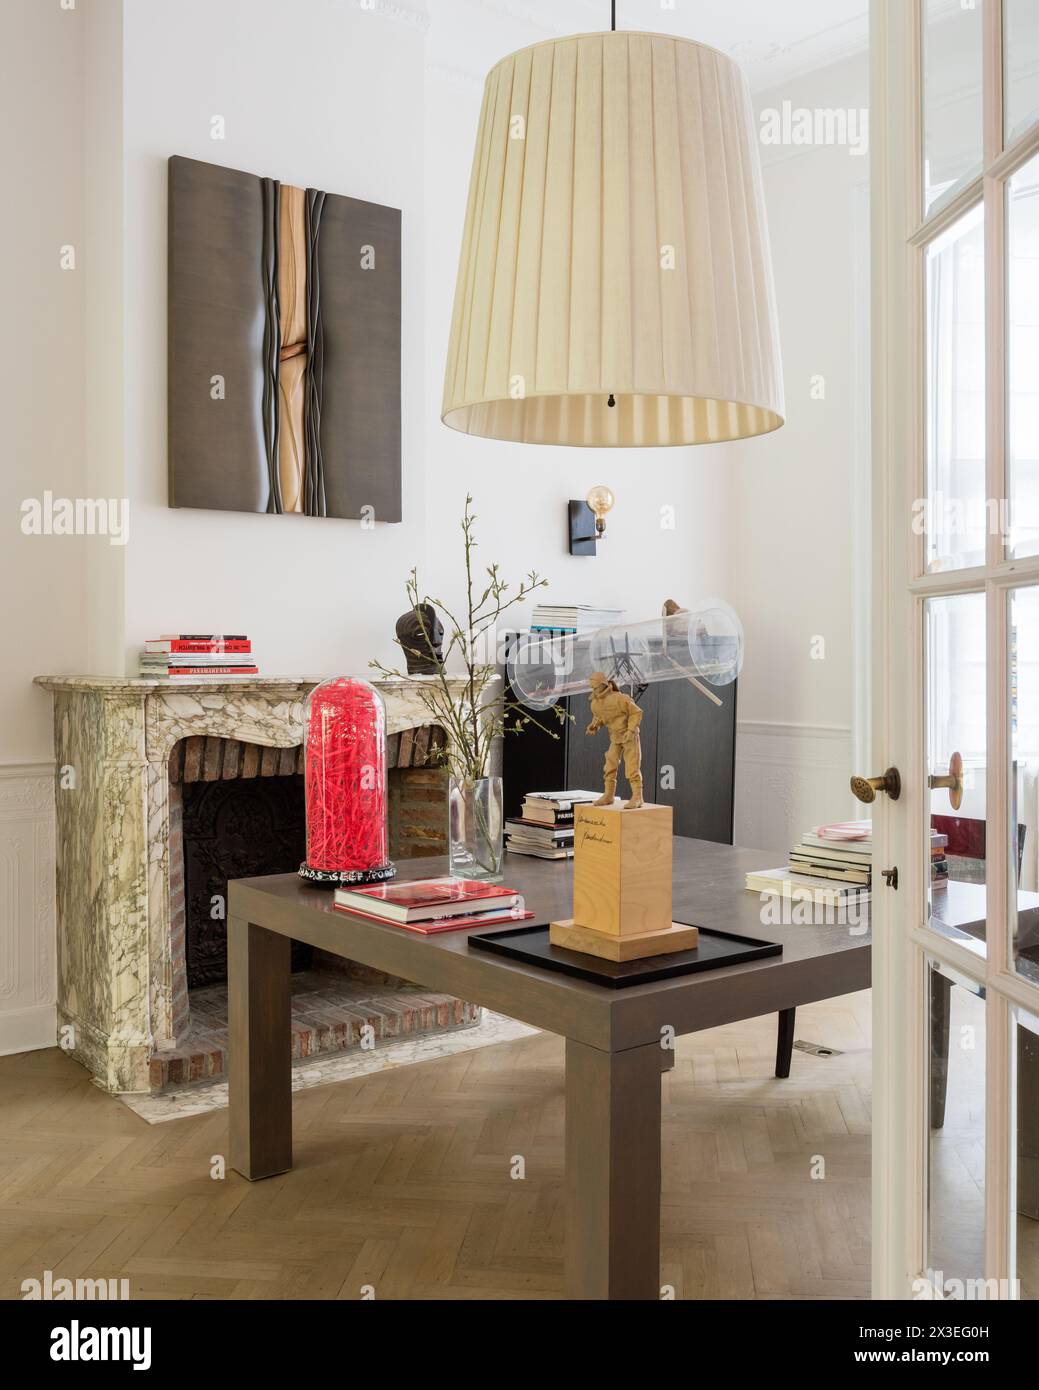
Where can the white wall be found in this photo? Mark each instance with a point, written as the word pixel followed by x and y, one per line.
pixel 797 523
pixel 42 578
pixel 41 360
pixel 109 319
pixel 321 93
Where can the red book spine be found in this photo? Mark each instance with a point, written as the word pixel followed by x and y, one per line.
pixel 233 645
pixel 212 670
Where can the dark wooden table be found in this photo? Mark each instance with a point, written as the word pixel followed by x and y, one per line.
pixel 613 1038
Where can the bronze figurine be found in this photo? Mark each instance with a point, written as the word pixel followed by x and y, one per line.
pixel 620 716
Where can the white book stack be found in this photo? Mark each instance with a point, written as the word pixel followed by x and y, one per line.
pixel 195 656
pixel 574 618
pixel 832 865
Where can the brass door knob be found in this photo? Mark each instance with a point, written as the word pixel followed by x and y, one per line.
pixel 953 780
pixel 866 788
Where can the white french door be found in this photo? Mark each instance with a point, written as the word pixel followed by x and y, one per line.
pixel 955 333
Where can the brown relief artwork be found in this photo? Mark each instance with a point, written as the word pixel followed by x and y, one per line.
pixel 284 347
pixel 292 314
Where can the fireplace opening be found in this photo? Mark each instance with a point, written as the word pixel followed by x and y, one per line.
pixel 240 828
pixel 237 810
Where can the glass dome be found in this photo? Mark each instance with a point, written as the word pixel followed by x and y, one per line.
pixel 345 774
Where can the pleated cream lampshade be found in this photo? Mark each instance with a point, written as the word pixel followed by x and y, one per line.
pixel 615 243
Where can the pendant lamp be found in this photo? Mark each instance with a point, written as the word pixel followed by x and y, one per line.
pixel 615 283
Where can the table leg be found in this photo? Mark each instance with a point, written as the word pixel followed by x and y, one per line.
pixel 260 1083
pixel 1027 1124
pixel 612 1172
pixel 785 1041
pixel 941 1005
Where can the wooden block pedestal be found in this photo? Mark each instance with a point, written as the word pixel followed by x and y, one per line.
pixel 622 886
pixel 676 937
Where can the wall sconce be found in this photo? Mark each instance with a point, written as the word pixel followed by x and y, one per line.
pixel 588 520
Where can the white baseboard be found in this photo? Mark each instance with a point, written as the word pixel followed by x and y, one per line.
pixel 25 1030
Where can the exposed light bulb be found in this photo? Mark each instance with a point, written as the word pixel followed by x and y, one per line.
pixel 600 499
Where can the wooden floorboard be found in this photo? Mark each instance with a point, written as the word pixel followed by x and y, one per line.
pixel 403 1178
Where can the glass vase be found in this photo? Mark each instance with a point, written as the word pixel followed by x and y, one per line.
pixel 475 822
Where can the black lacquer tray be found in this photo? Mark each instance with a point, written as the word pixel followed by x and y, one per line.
pixel 714 950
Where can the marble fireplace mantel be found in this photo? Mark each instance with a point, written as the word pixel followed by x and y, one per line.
pixel 112 742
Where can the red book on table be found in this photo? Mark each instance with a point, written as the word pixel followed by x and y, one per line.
pixel 425 899
pixel 438 924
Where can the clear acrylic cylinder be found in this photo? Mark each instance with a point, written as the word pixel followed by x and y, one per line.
pixel 704 643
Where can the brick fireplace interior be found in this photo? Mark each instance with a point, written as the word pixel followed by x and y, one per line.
pixel 236 810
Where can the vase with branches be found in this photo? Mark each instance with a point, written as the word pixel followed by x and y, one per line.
pixel 462 697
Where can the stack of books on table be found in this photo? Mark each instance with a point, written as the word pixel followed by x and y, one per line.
pixel 572 618
pixel 545 825
pixel 197 656
pixel 831 865
pixel 939 859
pixel 429 905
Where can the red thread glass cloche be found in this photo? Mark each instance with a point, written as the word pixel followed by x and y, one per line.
pixel 345 772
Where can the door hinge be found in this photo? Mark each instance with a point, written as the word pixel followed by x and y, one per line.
pixel 890 877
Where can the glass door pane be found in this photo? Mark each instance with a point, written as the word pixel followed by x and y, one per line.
pixel 952 40
pixel 1025 1100
pixel 954 516
pixel 1023 632
pixel 955 733
pixel 1020 65
pixel 956 1129
pixel 1022 355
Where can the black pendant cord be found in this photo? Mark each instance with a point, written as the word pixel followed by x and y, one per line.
pixel 613 29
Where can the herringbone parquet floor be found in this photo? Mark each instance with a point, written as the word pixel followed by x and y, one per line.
pixel 403 1179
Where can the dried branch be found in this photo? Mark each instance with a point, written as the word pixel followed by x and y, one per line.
pixel 474 716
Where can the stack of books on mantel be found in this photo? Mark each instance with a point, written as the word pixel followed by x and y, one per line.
pixel 196 656
pixel 545 826
pixel 428 905
pixel 572 618
pixel 831 865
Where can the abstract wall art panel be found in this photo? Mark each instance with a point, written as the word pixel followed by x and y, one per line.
pixel 284 347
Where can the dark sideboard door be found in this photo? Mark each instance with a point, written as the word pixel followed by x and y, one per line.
pixel 696 739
